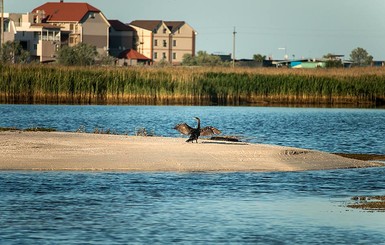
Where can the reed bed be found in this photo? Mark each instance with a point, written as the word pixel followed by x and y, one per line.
pixel 190 86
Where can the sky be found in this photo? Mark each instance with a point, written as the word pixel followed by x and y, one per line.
pixel 274 28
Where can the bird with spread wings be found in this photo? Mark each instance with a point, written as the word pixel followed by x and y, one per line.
pixel 194 133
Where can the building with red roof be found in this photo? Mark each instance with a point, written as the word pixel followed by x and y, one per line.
pixel 132 57
pixel 79 22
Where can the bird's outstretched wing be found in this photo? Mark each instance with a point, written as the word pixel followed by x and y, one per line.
pixel 209 131
pixel 184 128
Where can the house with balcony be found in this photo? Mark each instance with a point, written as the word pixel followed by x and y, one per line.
pixel 79 23
pixel 39 39
pixel 164 40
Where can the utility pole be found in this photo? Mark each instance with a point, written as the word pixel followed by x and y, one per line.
pixel 234 32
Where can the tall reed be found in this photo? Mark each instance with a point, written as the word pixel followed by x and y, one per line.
pixel 190 86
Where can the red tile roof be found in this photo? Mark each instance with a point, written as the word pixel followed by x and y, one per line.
pixel 132 54
pixel 65 11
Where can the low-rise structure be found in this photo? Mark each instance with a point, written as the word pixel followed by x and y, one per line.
pixel 131 57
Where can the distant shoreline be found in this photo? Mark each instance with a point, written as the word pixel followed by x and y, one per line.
pixel 60 151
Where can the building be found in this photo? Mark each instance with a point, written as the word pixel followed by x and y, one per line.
pixel 131 57
pixel 121 37
pixel 164 40
pixel 39 39
pixel 79 22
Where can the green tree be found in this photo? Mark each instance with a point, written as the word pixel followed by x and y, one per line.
pixel 360 57
pixel 332 61
pixel 202 59
pixel 82 54
pixel 189 60
pixel 259 57
pixel 13 52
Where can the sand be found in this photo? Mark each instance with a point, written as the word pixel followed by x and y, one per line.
pixel 60 151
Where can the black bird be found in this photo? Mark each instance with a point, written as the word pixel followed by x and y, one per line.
pixel 194 133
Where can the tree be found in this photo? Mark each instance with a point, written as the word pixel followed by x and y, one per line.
pixel 360 57
pixel 82 54
pixel 259 57
pixel 332 61
pixel 189 60
pixel 13 52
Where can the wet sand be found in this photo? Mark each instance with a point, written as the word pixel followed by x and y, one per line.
pixel 59 151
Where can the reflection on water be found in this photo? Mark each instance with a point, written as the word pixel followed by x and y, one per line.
pixel 196 208
pixel 332 130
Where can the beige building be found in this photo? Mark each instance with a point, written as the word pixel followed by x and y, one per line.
pixel 40 40
pixel 164 40
pixel 79 22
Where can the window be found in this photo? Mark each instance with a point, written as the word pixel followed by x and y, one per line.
pixel 174 43
pixel 156 42
pixel 164 55
pixel 174 56
pixel 164 30
pixel 164 43
pixel 155 55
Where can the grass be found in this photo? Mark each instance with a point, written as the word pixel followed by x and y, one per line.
pixel 372 203
pixel 190 86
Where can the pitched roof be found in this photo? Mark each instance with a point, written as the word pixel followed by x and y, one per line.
pixel 146 24
pixel 119 26
pixel 132 55
pixel 65 11
pixel 151 25
pixel 173 26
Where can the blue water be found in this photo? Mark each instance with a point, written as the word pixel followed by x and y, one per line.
pixel 189 208
pixel 331 130
pixel 198 208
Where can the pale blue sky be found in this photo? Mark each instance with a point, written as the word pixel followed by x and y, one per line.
pixel 307 28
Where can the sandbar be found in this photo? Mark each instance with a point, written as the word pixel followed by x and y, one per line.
pixel 65 151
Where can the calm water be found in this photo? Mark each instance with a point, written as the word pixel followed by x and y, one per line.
pixel 332 130
pixel 198 208
pixel 189 208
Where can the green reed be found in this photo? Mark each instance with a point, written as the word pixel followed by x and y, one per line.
pixel 190 86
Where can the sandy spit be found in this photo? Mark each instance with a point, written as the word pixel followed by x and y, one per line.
pixel 95 152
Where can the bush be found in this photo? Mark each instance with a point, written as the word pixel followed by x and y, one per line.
pixel 82 55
